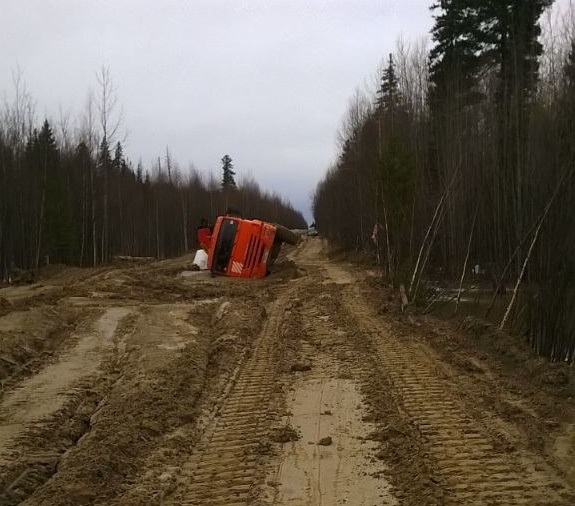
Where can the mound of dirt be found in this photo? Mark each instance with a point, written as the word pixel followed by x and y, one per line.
pixel 284 434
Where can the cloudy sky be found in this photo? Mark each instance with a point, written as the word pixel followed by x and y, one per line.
pixel 265 81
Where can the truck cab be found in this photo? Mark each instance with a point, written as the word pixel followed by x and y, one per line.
pixel 245 248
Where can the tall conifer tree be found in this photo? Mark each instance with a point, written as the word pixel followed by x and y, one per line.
pixel 228 181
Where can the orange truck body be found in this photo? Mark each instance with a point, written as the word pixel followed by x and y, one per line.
pixel 242 248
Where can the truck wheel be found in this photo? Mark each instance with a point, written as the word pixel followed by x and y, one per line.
pixel 286 235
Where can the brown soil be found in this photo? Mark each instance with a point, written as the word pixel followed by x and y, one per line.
pixel 147 383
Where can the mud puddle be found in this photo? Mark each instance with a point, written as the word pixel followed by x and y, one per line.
pixel 37 397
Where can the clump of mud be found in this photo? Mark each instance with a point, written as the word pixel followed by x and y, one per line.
pixel 284 434
pixel 284 270
pixel 301 366
pixel 386 434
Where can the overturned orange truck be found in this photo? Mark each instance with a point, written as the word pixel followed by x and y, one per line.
pixel 245 248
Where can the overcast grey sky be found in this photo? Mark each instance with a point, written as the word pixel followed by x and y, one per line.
pixel 265 81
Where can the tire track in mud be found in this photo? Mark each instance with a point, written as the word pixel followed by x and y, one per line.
pixel 470 468
pixel 44 415
pixel 43 394
pixel 224 470
pixel 328 401
pixel 149 387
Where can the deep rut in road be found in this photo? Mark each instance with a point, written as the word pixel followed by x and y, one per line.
pixel 54 391
pixel 466 461
pixel 334 460
pixel 224 466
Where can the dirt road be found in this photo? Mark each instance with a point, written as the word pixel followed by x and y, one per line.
pixel 147 383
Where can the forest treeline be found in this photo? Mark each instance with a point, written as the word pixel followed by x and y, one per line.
pixel 461 165
pixel 72 197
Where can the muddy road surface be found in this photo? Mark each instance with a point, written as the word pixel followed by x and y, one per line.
pixel 145 383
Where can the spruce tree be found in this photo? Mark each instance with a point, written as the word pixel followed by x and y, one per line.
pixel 388 96
pixel 569 69
pixel 454 69
pixel 228 181
pixel 139 173
pixel 515 29
pixel 456 57
pixel 118 161
pixel 85 200
pixel 57 230
pixel 515 48
pixel 104 157
pixel 569 92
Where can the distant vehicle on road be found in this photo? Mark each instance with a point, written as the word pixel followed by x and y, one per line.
pixel 311 230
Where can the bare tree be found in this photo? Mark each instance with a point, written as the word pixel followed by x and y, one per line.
pixel 110 119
